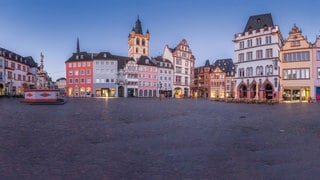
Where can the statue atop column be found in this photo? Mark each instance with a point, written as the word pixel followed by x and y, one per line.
pixel 41 81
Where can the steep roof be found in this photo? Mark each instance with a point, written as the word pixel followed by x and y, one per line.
pixel 81 56
pixel 162 62
pixel 18 58
pixel 146 61
pixel 225 65
pixel 259 21
pixel 31 62
pixel 61 79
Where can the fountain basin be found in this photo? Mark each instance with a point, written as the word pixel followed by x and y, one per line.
pixel 42 96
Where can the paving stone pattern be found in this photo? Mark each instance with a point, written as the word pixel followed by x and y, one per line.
pixel 131 138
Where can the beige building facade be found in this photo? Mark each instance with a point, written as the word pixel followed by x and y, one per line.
pixel 296 68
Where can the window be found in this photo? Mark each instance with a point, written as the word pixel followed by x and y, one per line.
pixel 269 70
pixel 249 56
pixel 88 72
pixel 76 73
pixel 82 80
pixel 295 43
pixel 83 64
pixel 186 71
pixel 70 81
pixel 178 61
pixel 318 70
pixel 259 71
pixel 76 81
pixel 268 39
pixel 79 64
pixel 241 72
pixel 70 65
pixel 259 54
pixel 178 79
pixel 318 55
pixel 241 45
pixel 269 53
pixel 297 56
pixel 186 63
pixel 88 80
pixel 258 41
pixel 82 72
pixel 241 57
pixel 249 43
pixel 178 69
pixel 297 73
pixel 107 80
pixel 88 64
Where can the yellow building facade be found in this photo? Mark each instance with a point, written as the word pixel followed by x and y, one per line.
pixel 296 68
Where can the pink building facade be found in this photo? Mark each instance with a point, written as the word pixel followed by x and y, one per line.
pixel 316 67
pixel 147 78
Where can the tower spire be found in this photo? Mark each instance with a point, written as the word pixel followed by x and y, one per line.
pixel 138 28
pixel 78 45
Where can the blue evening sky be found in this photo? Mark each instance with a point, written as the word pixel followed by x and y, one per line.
pixel 29 27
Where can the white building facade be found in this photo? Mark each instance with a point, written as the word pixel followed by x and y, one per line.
pixel 257 59
pixel 183 63
pixel 105 69
pixel 164 77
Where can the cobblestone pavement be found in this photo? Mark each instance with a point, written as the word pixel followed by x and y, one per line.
pixel 96 138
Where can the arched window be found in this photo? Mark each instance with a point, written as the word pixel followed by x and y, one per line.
pixel 137 50
pixel 144 51
pixel 138 41
pixel 143 42
pixel 271 70
pixel 267 70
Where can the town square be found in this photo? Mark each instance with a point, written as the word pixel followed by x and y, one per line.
pixel 159 89
pixel 99 138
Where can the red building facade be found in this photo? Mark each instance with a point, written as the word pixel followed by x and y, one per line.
pixel 79 74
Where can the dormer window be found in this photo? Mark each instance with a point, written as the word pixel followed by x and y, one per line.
pixel 105 55
pixel 82 57
pixel 147 61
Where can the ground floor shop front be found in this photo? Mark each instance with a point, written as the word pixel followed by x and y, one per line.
pixel 296 94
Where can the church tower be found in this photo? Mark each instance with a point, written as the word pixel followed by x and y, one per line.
pixel 138 42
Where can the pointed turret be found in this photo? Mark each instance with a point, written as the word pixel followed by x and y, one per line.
pixel 207 63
